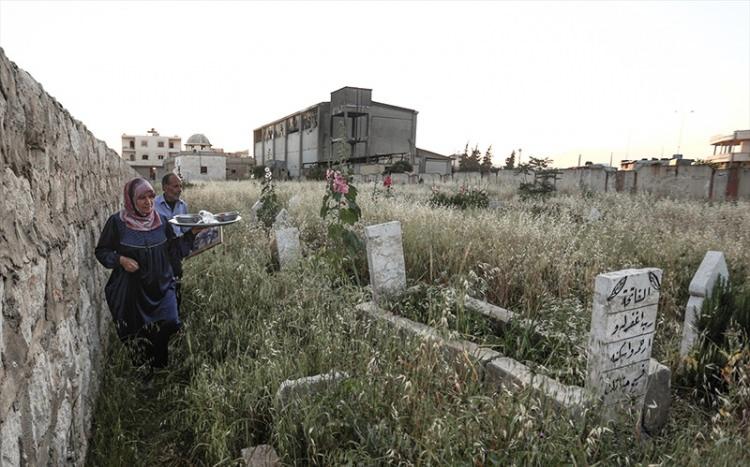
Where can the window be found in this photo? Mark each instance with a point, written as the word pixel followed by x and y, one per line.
pixel 144 144
pixel 160 144
pixel 144 157
pixel 132 145
pixel 204 169
pixel 160 156
pixel 171 145
pixel 132 157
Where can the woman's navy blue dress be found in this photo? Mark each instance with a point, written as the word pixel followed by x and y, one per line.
pixel 147 295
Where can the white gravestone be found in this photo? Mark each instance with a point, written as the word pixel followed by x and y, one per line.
pixel 282 219
pixel 254 210
pixel 385 259
pixel 711 269
pixel 623 323
pixel 287 244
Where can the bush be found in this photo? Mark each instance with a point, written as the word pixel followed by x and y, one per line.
pixel 718 368
pixel 399 168
pixel 317 172
pixel 465 198
pixel 259 171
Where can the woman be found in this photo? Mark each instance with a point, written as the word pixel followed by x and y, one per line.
pixel 139 246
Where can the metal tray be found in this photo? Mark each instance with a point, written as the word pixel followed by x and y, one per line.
pixel 195 220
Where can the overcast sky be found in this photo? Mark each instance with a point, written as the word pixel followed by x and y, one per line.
pixel 557 79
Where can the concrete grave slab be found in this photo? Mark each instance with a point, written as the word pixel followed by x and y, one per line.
pixel 292 389
pixel 385 259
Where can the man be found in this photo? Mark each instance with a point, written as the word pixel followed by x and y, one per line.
pixel 169 205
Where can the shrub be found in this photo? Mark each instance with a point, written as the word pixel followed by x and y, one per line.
pixel 259 171
pixel 718 368
pixel 399 168
pixel 317 172
pixel 465 198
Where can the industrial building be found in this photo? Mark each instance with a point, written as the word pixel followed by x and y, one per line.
pixel 369 135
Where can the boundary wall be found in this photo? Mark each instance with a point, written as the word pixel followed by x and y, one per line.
pixel 694 182
pixel 59 185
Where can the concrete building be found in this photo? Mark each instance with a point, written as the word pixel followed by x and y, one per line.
pixel 200 161
pixel 147 153
pixel 428 162
pixel 239 165
pixel 731 150
pixel 351 125
pixel 675 161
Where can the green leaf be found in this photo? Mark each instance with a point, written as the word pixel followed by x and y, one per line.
pixel 348 216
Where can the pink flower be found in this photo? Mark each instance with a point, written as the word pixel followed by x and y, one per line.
pixel 340 185
pixel 329 174
pixel 388 181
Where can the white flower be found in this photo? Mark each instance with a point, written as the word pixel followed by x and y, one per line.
pixel 267 170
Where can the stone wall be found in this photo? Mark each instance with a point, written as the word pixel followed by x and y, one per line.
pixel 693 182
pixel 59 184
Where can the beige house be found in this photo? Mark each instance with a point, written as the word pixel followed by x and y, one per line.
pixel 147 153
pixel 731 150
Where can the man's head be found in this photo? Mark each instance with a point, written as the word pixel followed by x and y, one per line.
pixel 172 186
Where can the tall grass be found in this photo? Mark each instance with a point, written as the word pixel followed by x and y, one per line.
pixel 248 330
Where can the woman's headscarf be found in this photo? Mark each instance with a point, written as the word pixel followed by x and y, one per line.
pixel 130 215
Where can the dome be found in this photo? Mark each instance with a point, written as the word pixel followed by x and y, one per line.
pixel 198 139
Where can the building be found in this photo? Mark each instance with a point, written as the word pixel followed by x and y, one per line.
pixel 239 165
pixel 200 161
pixel 351 126
pixel 428 162
pixel 147 153
pixel 675 160
pixel 731 150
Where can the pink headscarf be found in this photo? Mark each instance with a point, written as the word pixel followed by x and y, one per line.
pixel 130 215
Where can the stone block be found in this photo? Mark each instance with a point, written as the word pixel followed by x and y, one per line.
pixel 385 259
pixel 623 323
pixel 254 211
pixel 282 219
pixel 288 246
pixel 689 331
pixel 594 215
pixel 263 455
pixel 658 397
pixel 292 389
pixel 711 268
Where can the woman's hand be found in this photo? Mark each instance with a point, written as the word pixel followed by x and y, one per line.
pixel 129 264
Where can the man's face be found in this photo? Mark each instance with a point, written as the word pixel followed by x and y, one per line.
pixel 173 188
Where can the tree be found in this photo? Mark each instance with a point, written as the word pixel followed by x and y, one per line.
pixel 486 164
pixel 543 183
pixel 510 161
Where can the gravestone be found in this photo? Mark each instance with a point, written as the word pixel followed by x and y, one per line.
pixel 623 323
pixel 711 269
pixel 287 245
pixel 254 211
pixel 385 259
pixel 294 202
pixel 281 220
pixel 594 215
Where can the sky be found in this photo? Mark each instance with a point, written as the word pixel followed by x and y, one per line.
pixel 603 80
